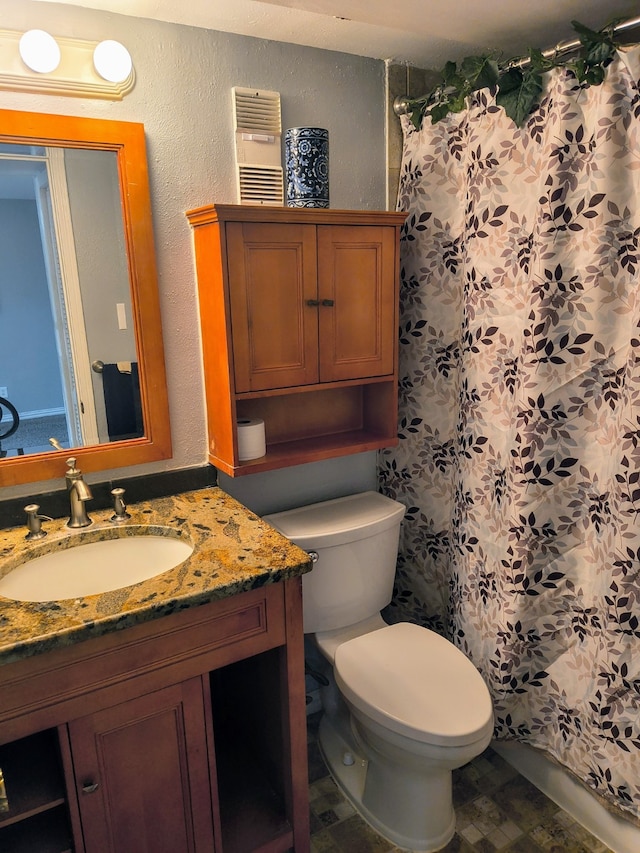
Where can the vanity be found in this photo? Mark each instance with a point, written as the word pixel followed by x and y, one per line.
pixel 168 715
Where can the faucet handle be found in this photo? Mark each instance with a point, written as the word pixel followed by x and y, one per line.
pixel 119 506
pixel 34 522
pixel 71 463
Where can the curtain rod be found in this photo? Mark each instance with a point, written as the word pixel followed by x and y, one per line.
pixel 401 105
pixel 569 46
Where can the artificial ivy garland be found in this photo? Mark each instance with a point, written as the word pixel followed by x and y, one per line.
pixel 518 88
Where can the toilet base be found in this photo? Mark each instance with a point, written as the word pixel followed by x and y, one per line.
pixel 336 740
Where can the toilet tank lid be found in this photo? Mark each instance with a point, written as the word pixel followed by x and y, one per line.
pixel 338 521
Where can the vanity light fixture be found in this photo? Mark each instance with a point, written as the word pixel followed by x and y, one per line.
pixel 35 61
pixel 39 51
pixel 112 61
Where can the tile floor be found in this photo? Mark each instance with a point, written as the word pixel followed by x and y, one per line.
pixel 496 810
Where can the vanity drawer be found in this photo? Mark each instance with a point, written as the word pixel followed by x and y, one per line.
pixel 61 685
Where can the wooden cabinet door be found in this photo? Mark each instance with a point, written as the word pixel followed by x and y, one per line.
pixel 142 774
pixel 357 295
pixel 273 299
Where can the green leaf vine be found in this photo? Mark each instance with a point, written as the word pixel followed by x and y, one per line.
pixel 518 84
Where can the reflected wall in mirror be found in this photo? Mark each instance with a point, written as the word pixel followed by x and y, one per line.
pixel 81 356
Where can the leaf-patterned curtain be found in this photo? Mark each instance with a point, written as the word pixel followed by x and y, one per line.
pixel 519 454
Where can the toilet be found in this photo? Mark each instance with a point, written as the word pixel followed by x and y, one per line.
pixel 403 706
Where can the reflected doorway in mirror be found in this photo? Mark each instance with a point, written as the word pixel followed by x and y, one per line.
pixel 93 254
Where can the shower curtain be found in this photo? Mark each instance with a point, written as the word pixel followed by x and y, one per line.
pixel 519 453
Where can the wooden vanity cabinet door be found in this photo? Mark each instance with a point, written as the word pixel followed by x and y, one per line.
pixel 273 300
pixel 142 776
pixel 357 295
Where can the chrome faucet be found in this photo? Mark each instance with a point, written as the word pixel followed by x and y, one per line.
pixel 79 494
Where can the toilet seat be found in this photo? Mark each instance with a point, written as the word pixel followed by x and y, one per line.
pixel 416 683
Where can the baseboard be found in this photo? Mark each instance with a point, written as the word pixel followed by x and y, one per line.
pixel 39 413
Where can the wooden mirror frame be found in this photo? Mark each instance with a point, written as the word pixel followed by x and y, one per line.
pixel 127 140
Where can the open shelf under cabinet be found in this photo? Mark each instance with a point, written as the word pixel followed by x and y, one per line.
pixel 37 820
pixel 251 756
pixel 318 424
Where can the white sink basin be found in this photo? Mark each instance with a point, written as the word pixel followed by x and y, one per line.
pixel 91 568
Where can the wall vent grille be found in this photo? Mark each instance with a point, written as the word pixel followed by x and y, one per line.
pixel 260 185
pixel 258 133
pixel 257 110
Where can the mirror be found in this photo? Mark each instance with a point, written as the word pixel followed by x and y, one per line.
pixel 80 334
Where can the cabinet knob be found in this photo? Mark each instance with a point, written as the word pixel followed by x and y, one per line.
pixel 327 302
pixel 313 302
pixel 90 787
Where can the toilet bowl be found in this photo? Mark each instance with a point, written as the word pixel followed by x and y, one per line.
pixel 403 706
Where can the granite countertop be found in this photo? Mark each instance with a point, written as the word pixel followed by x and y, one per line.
pixel 234 551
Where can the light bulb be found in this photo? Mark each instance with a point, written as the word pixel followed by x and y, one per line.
pixel 112 61
pixel 39 51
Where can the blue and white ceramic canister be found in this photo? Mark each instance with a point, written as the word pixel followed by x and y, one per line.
pixel 306 151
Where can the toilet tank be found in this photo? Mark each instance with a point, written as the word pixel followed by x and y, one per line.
pixel 356 540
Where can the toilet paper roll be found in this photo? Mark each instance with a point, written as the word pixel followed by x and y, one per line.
pixel 251 439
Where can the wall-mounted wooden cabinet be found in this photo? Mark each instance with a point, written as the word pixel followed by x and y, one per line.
pixel 299 320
